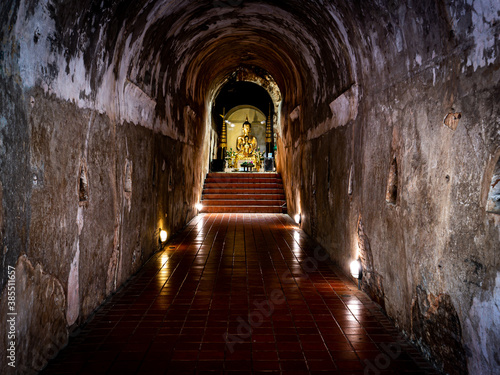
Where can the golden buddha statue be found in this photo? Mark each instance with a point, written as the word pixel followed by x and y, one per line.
pixel 246 144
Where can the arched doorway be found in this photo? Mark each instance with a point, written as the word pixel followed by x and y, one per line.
pixel 240 102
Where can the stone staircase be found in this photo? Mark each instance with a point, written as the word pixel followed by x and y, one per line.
pixel 243 193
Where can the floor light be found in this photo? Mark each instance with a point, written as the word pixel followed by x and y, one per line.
pixel 163 235
pixel 298 218
pixel 356 271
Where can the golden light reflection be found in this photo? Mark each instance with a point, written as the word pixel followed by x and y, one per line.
pixel 200 224
pixel 161 281
pixel 163 259
pixel 355 307
pixel 296 235
pixel 296 249
pixel 165 271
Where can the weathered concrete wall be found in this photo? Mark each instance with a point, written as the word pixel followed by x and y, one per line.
pixel 89 171
pixel 88 247
pixel 431 257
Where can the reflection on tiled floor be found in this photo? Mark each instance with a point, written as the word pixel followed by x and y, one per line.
pixel 242 294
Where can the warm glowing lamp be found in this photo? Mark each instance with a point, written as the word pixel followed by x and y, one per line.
pixel 163 235
pixel 199 206
pixel 356 269
pixel 298 218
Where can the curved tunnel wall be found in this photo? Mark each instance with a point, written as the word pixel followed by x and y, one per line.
pixel 124 89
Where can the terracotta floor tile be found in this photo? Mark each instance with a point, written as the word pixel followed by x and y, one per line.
pixel 289 346
pixel 350 365
pixel 289 365
pixel 239 365
pixel 247 275
pixel 266 346
pixel 321 365
pixel 266 365
pixel 210 366
pixel 265 355
pixel 290 355
pixel 313 345
pixel 176 366
pixel 339 346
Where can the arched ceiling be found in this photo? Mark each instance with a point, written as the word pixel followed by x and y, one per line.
pixel 197 45
pixel 152 61
pixel 181 52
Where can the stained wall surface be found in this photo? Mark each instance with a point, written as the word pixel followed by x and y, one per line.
pixel 388 137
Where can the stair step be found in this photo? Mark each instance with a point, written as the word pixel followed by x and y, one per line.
pixel 242 174
pixel 243 180
pixel 247 202
pixel 242 209
pixel 242 191
pixel 209 196
pixel 234 185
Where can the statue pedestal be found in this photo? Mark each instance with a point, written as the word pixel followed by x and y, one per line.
pixel 242 160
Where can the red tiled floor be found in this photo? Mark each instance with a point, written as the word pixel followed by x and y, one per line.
pixel 239 294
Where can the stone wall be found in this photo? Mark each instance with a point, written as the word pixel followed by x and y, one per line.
pixel 88 175
pixel 421 148
pixel 85 243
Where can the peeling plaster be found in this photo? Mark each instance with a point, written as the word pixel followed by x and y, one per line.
pixel 418 59
pixel 295 114
pixel 138 107
pixel 485 14
pixel 344 109
pixel 483 326
pixel 73 308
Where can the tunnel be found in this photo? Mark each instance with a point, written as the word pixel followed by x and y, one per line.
pixel 386 134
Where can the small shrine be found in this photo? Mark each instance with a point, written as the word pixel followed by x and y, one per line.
pixel 245 145
pixel 247 155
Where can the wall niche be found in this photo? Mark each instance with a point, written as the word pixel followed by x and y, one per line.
pixel 83 185
pixel 351 177
pixel 493 203
pixel 127 186
pixel 391 194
